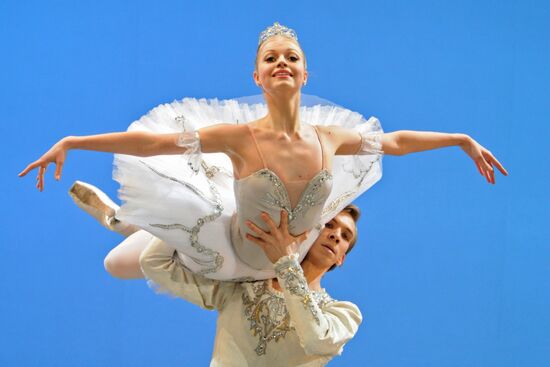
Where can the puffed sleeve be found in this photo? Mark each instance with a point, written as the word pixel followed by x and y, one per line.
pixel 162 267
pixel 191 141
pixel 322 330
pixel 371 137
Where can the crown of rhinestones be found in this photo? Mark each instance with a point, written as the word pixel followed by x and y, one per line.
pixel 277 30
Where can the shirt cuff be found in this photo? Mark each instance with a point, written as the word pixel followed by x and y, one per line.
pixel 285 262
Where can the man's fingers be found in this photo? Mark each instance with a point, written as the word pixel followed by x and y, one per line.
pixel 256 240
pixel 267 219
pixel 257 230
pixel 284 221
pixel 301 238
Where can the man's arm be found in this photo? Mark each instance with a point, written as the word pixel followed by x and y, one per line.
pixel 322 330
pixel 161 265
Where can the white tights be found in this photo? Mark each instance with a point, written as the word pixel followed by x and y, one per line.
pixel 123 261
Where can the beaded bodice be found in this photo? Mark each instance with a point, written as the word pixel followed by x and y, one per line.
pixel 264 191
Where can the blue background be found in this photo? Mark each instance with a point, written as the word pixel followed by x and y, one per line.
pixel 449 270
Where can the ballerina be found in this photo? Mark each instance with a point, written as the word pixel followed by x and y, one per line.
pixel 309 161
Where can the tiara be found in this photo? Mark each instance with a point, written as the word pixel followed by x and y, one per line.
pixel 277 30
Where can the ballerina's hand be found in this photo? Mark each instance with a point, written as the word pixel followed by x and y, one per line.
pixel 278 242
pixel 483 159
pixel 56 155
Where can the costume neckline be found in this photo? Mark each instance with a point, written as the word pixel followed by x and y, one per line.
pixel 290 209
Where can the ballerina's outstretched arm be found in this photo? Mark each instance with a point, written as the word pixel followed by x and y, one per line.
pixel 217 138
pixel 348 142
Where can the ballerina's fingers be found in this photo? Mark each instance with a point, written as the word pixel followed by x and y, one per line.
pixel 58 169
pixel 482 171
pixel 29 168
pixel 479 168
pixel 492 160
pixel 42 166
pixel 40 177
pixel 486 169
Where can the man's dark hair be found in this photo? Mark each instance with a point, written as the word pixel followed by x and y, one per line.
pixel 355 213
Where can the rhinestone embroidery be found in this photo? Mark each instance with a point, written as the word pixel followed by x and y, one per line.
pixel 289 271
pixel 308 198
pixel 268 315
pixel 215 260
pixel 359 175
pixel 277 30
pixel 269 319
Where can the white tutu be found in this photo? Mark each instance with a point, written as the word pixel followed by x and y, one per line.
pixel 187 200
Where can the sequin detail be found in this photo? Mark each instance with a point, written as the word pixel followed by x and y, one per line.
pixel 214 260
pixel 267 313
pixel 268 316
pixel 308 198
pixel 292 278
pixel 359 173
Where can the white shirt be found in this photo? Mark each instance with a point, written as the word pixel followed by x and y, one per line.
pixel 258 325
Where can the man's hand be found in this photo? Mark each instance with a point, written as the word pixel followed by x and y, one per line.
pixel 278 242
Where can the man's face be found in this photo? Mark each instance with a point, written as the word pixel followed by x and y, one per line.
pixel 333 241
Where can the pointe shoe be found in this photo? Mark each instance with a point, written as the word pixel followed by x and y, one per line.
pixel 96 203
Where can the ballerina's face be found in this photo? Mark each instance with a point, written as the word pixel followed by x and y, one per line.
pixel 334 241
pixel 280 64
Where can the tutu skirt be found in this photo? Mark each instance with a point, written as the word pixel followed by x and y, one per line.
pixel 188 201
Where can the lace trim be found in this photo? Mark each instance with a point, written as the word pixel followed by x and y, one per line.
pixel 371 143
pixel 371 137
pixel 292 278
pixel 191 142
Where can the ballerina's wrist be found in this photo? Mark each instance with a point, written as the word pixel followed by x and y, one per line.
pixel 68 142
pixel 463 140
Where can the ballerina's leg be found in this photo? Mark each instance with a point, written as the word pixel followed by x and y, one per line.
pixel 123 261
pixel 100 206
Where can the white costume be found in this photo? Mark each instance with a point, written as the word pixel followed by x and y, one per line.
pixel 258 325
pixel 190 202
